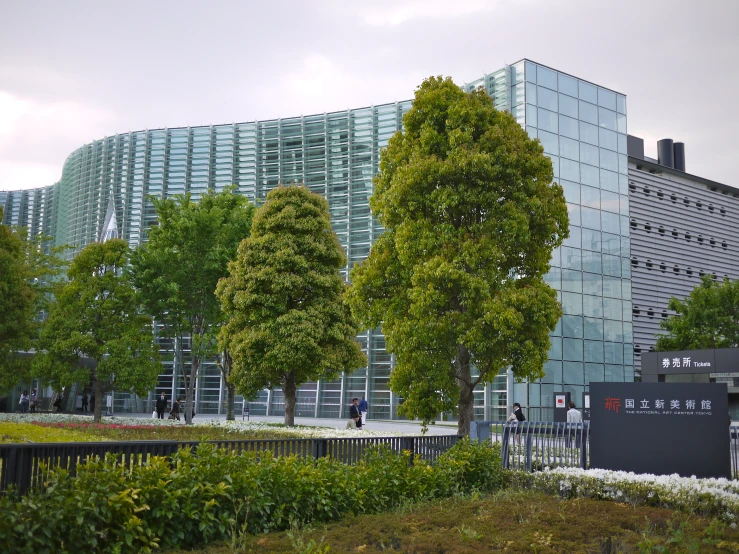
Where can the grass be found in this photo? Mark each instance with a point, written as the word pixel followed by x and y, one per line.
pixel 510 521
pixel 29 433
pixel 106 432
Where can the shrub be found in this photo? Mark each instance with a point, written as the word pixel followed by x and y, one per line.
pixel 196 498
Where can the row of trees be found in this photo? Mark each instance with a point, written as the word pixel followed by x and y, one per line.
pixel 471 217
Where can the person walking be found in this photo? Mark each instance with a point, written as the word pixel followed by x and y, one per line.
pixel 518 417
pixel 174 413
pixel 161 406
pixel 34 399
pixel 573 418
pixel 355 413
pixel 363 408
pixel 84 401
pixel 24 402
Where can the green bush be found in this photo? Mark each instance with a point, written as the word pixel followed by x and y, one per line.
pixel 197 498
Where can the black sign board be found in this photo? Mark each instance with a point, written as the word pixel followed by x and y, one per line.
pixel 660 428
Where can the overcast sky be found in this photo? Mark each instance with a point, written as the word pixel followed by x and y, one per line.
pixel 75 71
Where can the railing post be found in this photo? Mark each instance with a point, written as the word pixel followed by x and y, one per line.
pixel 320 448
pixel 529 445
pixel 408 443
pixel 505 445
pixel 584 446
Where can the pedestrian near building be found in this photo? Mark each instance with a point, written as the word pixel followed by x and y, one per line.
pixel 363 408
pixel 84 401
pixel 161 406
pixel 355 414
pixel 174 413
pixel 24 401
pixel 574 417
pixel 34 400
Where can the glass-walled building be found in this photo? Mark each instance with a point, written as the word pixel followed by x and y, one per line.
pixel 582 127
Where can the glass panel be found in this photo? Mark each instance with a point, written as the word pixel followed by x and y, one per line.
pixel 569 148
pixel 609 201
pixel 591 240
pixel 623 164
pixel 568 126
pixel 571 280
pixel 588 174
pixel 568 85
pixel 614 353
pixel 609 180
pixel 592 284
pixel 547 120
pixel 593 328
pixel 553 370
pixel 607 99
pixel 609 160
pixel 588 92
pixel 567 106
pixel 532 131
pixel 574 240
pixel 546 77
pixel 571 303
pixel 572 349
pixel 530 93
pixel 590 197
pixel 592 306
pixel 530 69
pixel 608 139
pixel 571 258
pixel 590 218
pixel 622 144
pixel 611 286
pixel 613 331
pixel 573 210
pixel 621 103
pixel 594 351
pixel 607 119
pixel 626 286
pixel 594 373
pixel 612 265
pixel 550 142
pixel 591 261
pixel 588 113
pixel 625 247
pixel 623 184
pixel 546 99
pixel 555 163
pixel 573 373
pixel 531 115
pixel 572 191
pixel 518 95
pixel 589 154
pixel 570 170
pixel 610 222
pixel 621 123
pixel 572 326
pixel 611 244
pixel 612 308
pixel 628 332
pixel 588 132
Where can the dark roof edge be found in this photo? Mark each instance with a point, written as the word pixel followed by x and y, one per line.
pixel 662 169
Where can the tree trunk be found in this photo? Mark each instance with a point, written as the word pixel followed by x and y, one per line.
pixel 290 391
pixel 98 387
pixel 189 390
pixel 466 391
pixel 230 393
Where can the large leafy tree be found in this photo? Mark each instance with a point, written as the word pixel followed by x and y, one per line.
pixel 28 267
pixel 707 318
pixel 178 269
pixel 96 330
pixel 471 217
pixel 284 296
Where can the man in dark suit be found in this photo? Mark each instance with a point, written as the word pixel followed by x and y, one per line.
pixel 355 413
pixel 161 406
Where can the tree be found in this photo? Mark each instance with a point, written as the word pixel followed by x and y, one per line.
pixel 28 267
pixel 284 296
pixel 707 318
pixel 471 217
pixel 96 330
pixel 178 269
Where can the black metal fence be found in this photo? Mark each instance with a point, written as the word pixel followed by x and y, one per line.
pixel 536 445
pixel 21 464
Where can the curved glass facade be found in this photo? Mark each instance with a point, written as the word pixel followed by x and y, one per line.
pixel 336 155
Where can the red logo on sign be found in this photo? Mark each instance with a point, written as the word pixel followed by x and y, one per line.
pixel 613 404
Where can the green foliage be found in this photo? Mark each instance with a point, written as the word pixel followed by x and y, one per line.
pixel 97 316
pixel 707 318
pixel 284 297
pixel 208 495
pixel 177 270
pixel 28 432
pixel 27 265
pixel 471 218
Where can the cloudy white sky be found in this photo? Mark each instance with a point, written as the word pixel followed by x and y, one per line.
pixel 75 71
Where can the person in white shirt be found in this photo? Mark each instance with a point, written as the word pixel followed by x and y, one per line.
pixel 574 416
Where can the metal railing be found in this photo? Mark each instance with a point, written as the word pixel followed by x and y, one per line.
pixel 25 466
pixel 537 445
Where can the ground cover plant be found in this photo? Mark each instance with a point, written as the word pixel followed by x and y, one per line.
pixel 507 521
pixel 208 495
pixel 30 433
